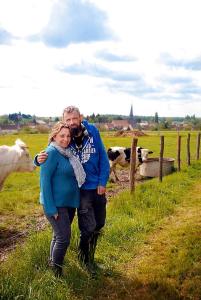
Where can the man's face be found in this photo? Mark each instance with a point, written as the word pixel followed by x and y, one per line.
pixel 73 120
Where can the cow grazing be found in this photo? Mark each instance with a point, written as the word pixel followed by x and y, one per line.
pixel 14 158
pixel 121 156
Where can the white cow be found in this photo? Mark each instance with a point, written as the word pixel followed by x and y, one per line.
pixel 121 156
pixel 14 158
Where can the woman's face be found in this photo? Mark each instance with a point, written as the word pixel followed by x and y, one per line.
pixel 62 138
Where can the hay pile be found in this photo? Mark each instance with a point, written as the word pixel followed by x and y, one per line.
pixel 133 133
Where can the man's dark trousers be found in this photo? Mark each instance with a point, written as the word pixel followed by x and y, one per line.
pixel 91 218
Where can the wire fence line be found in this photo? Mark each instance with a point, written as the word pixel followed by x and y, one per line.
pixel 191 156
pixel 161 157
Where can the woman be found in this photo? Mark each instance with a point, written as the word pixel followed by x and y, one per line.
pixel 61 175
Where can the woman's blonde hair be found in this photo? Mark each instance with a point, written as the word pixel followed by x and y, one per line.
pixel 56 129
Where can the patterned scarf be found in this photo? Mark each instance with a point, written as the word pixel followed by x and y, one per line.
pixel 74 161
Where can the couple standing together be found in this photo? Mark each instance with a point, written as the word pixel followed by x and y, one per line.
pixel 74 174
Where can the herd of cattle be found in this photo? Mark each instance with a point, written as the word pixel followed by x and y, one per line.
pixel 16 158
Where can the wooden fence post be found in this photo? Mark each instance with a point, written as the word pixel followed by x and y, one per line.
pixel 188 149
pixel 133 165
pixel 179 152
pixel 161 159
pixel 198 147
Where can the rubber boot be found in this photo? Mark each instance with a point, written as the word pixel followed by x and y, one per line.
pixel 92 246
pixel 83 252
pixel 92 249
pixel 57 269
pixel 84 257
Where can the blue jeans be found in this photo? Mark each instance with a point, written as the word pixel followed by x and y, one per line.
pixel 61 234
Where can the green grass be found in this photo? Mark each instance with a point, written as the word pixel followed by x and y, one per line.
pixel 130 221
pixel 168 266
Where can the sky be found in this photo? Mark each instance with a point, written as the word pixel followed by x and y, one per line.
pixel 100 55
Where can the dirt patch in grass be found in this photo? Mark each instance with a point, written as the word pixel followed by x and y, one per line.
pixel 10 237
pixel 8 240
pixel 123 183
pixel 118 186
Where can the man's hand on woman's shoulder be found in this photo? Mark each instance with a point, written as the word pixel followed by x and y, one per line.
pixel 41 157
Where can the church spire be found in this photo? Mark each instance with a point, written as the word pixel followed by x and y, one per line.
pixel 131 117
pixel 131 112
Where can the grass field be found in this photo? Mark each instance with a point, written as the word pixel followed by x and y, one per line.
pixel 133 223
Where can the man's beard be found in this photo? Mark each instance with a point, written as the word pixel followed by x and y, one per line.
pixel 75 131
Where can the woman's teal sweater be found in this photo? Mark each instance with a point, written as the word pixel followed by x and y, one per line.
pixel 58 185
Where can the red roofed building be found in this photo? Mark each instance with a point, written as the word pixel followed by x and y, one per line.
pixel 121 124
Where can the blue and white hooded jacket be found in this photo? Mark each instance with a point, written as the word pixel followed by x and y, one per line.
pixel 93 157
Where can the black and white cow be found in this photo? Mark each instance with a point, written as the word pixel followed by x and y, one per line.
pixel 121 156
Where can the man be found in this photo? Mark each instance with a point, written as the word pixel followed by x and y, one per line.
pixel 86 144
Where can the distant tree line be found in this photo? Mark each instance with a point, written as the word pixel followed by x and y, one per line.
pixel 104 118
pixel 23 119
pixel 159 122
pixel 18 116
pixel 153 119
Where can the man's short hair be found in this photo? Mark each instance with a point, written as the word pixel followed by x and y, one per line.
pixel 71 109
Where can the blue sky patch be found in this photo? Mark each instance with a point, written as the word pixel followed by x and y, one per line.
pixel 98 71
pixel 112 57
pixel 5 36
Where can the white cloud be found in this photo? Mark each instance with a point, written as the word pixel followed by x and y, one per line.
pixel 150 61
pixel 24 17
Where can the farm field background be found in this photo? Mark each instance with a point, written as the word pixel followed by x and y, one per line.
pixel 157 215
pixel 19 198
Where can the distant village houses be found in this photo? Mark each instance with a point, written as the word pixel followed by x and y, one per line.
pixel 9 128
pixel 15 122
pixel 122 124
pixel 126 124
